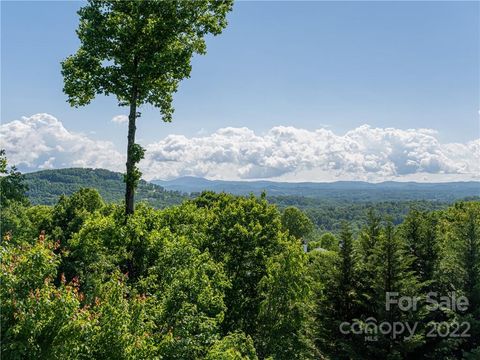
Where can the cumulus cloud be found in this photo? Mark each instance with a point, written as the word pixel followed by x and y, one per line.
pixel 364 153
pixel 120 119
pixel 42 142
pixel 282 153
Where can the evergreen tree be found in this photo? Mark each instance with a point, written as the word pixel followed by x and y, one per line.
pixel 468 233
pixel 418 231
pixel 368 239
pixel 347 277
pixel 340 302
pixel 323 267
pixel 393 277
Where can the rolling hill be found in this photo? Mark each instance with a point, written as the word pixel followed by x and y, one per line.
pixel 327 204
pixel 355 191
pixel 47 185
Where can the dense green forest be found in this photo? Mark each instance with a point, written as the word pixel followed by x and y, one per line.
pixel 343 271
pixel 226 277
pixel 45 187
pixel 338 191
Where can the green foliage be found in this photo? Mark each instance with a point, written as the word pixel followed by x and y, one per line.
pixel 336 299
pixel 21 223
pixel 70 213
pixel 322 269
pixel 285 317
pixel 33 310
pixel 12 183
pixel 459 265
pixel 347 277
pixel 296 222
pixel 418 231
pixel 138 51
pixel 393 274
pixel 192 299
pixel 136 154
pixel 221 277
pixel 327 212
pixel 329 241
pixel 243 234
pixel 235 346
pixel 146 46
pixel 46 186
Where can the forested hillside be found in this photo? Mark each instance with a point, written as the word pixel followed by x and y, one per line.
pixel 226 277
pixel 45 187
pixel 340 191
pixel 327 214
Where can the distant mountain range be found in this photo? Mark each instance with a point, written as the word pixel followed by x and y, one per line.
pixel 47 185
pixel 338 191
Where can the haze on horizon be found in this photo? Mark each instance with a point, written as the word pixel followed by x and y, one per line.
pixel 310 91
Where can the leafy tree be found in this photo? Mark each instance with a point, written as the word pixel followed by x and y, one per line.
pixel 139 51
pixel 12 183
pixel 235 346
pixel 191 292
pixel 33 310
pixel 242 234
pixel 16 224
pixel 314 244
pixel 469 232
pixel 94 252
pixel 70 213
pixel 285 317
pixel 296 222
pixel 329 241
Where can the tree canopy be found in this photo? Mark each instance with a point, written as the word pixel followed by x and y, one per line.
pixel 221 277
pixel 138 51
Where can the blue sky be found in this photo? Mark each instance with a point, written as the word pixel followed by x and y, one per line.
pixel 308 65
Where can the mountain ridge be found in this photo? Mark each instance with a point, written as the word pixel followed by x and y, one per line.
pixel 202 179
pixel 357 190
pixel 45 186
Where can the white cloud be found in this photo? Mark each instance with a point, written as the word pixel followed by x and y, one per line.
pixel 120 119
pixel 42 142
pixel 288 153
pixel 282 153
pixel 48 164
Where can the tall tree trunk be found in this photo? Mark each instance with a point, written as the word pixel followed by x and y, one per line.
pixel 130 178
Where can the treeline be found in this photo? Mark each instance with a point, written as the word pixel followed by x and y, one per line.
pixel 45 187
pixel 328 215
pixel 225 277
